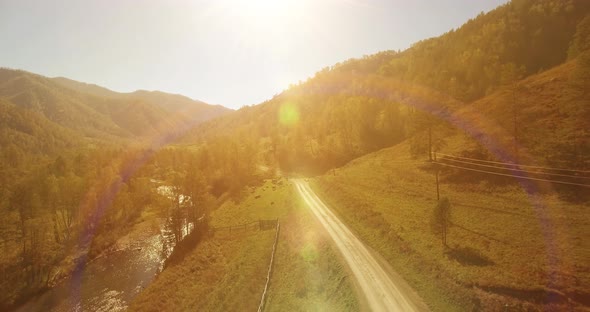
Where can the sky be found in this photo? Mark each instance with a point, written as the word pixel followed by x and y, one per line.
pixel 228 52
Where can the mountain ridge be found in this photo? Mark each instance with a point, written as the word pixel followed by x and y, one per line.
pixel 98 112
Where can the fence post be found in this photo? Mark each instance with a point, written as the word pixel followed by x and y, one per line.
pixel 268 275
pixel 437 188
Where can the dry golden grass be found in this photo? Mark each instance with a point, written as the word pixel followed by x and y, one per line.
pixel 221 274
pixel 507 247
pixel 227 272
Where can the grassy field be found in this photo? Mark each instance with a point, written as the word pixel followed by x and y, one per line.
pixel 508 249
pixel 227 271
pixel 216 268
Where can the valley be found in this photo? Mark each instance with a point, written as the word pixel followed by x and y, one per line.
pixel 453 175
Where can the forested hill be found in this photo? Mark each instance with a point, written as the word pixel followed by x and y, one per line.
pixel 94 112
pixel 361 105
pixel 42 118
pixel 515 40
pixel 174 103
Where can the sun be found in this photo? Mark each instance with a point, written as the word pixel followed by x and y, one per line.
pixel 263 9
pixel 269 7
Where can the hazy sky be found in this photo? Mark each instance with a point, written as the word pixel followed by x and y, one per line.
pixel 229 52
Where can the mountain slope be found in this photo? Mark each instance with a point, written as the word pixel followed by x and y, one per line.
pixel 512 41
pixel 99 113
pixel 58 104
pixel 543 119
pixel 507 248
pixel 28 132
pixel 362 105
pixel 174 103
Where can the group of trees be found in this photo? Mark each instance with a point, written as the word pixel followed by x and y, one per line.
pixel 318 125
pixel 59 199
pixel 78 201
pixel 523 35
pixel 193 178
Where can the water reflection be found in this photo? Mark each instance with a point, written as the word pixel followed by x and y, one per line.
pixel 108 283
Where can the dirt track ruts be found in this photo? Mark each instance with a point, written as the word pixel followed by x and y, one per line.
pixel 381 293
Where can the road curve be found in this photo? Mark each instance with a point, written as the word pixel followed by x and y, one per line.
pixel 380 291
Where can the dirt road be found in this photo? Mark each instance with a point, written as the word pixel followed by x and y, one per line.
pixel 380 291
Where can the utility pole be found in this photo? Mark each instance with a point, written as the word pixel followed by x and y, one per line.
pixel 436 167
pixel 430 143
pixel 515 121
pixel 437 188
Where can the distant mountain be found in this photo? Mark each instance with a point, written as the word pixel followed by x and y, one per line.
pixel 174 103
pixel 58 104
pixel 26 131
pixel 41 118
pixel 87 88
pixel 96 112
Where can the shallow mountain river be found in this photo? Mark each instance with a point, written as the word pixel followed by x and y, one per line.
pixel 108 283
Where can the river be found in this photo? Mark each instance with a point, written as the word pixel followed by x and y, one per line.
pixel 108 283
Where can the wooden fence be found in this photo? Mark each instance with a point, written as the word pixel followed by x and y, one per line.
pixel 270 265
pixel 260 225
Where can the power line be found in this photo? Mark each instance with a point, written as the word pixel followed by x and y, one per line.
pixel 512 164
pixel 515 176
pixel 514 169
pixel 408 162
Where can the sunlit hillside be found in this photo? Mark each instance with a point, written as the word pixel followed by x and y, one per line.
pixel 361 105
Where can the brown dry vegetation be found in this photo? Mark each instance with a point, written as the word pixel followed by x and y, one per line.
pixel 222 273
pixel 507 247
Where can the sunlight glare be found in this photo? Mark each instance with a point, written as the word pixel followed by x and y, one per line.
pixel 263 9
pixel 288 114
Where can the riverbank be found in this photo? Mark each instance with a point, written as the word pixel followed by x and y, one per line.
pixel 140 243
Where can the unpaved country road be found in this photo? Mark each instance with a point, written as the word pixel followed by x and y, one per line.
pixel 381 293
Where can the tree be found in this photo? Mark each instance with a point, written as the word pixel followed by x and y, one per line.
pixel 441 219
pixel 176 212
pixel 510 74
pixel 428 136
pixel 581 41
pixel 195 187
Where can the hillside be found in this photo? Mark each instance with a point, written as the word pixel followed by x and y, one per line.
pixel 195 110
pixel 517 39
pixel 361 105
pixel 58 104
pixel 388 198
pixel 99 113
pixel 41 118
pixel 506 246
pixel 540 120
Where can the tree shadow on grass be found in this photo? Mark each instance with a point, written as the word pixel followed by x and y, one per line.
pixel 468 256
